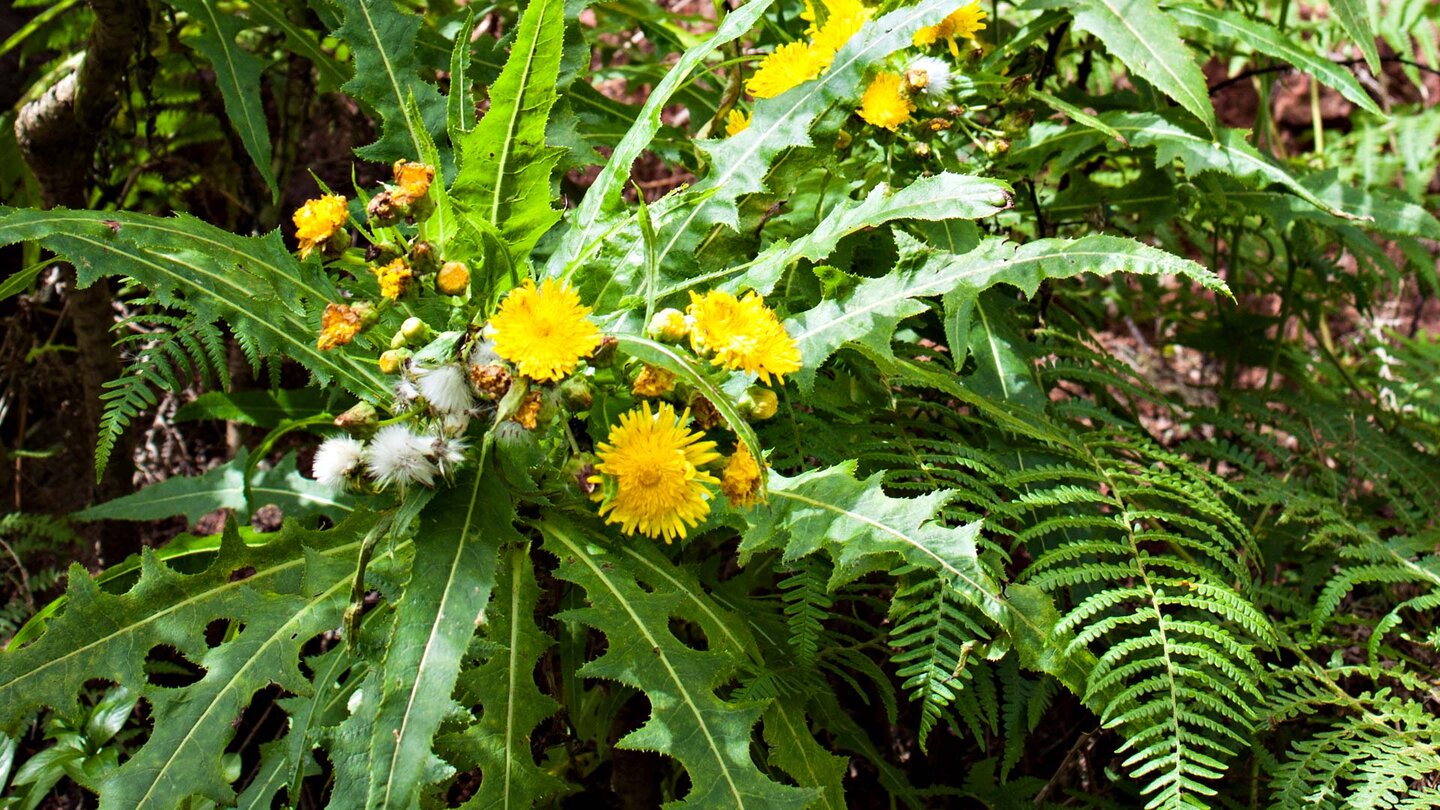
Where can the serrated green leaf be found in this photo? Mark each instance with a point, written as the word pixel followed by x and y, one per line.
pixel 1228 153
pixel 855 521
pixel 504 689
pixel 1354 17
pixel 450 582
pixel 604 194
pixel 1005 366
pixel 740 163
pixel 382 37
pixel 224 487
pixel 300 40
pixel 252 283
pixel 265 409
pixel 296 589
pixel 869 313
pixel 679 680
pixel 1268 40
pixel 940 197
pixel 1139 34
pixel 460 104
pixel 505 165
pixel 237 73
pixel 794 751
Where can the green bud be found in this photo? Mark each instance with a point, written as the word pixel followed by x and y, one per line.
pixel 417 330
pixel 576 393
pixel 424 259
pixel 360 417
pixel 391 362
pixel 759 403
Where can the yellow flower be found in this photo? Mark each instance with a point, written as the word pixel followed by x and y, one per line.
pixel 843 21
pixel 884 103
pixel 964 23
pixel 653 382
pixel 318 220
pixel 453 279
pixel 338 326
pixel 544 331
pixel 741 479
pixel 736 122
pixel 650 472
pixel 412 182
pixel 394 278
pixel 790 65
pixel 742 334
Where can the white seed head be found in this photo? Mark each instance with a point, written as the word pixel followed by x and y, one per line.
pixel 447 451
pixel 336 459
pixel 483 353
pixel 398 456
pixel 937 75
pixel 406 392
pixel 445 388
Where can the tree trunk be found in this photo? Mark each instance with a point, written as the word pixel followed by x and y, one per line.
pixel 58 134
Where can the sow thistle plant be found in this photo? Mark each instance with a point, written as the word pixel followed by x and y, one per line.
pixel 700 475
pixel 532 366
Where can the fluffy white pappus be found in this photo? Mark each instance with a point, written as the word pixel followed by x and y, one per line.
pixel 337 458
pixel 406 392
pixel 445 388
pixel 483 353
pixel 447 451
pixel 398 456
pixel 454 424
pixel 937 75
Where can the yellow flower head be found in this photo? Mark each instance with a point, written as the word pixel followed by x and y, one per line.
pixel 412 181
pixel 736 122
pixel 963 23
pixel 742 334
pixel 394 278
pixel 338 326
pixel 650 473
pixel 843 21
pixel 653 382
pixel 790 65
pixel 318 220
pixel 543 330
pixel 741 479
pixel 884 103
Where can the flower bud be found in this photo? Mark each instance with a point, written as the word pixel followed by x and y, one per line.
pixel 392 361
pixel 576 393
pixel 759 403
pixel 382 253
pixel 398 340
pixel 579 470
pixel 453 279
pixel 369 315
pixel 668 326
pixel 382 210
pixel 417 330
pixel 605 354
pixel 360 416
pixel 423 258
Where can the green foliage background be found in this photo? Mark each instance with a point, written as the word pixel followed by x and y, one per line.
pixel 987 532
